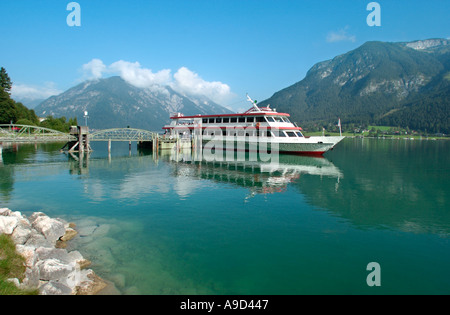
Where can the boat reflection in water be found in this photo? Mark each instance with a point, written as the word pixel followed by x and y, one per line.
pixel 258 176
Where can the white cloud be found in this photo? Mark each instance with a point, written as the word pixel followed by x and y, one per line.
pixel 340 36
pixel 24 92
pixel 94 69
pixel 134 74
pixel 184 81
pixel 189 82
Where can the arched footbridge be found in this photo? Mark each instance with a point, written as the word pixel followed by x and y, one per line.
pixel 122 134
pixel 24 133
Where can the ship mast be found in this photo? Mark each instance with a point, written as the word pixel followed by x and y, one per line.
pixel 253 103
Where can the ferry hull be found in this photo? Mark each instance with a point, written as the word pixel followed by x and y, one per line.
pixel 314 146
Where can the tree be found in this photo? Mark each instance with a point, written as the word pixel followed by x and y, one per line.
pixel 8 112
pixel 17 113
pixel 5 81
pixel 24 113
pixel 59 124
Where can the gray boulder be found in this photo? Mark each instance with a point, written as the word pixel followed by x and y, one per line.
pixel 8 224
pixel 55 288
pixel 53 269
pixel 52 229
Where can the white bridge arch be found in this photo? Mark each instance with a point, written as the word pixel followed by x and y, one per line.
pixel 25 133
pixel 122 134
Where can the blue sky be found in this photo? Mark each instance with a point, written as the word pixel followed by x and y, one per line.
pixel 223 49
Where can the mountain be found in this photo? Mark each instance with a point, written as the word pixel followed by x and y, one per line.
pixel 403 84
pixel 114 103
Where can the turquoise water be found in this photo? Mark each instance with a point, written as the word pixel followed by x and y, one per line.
pixel 166 225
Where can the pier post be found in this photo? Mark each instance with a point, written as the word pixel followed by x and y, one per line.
pixel 155 143
pixel 88 142
pixel 1 153
pixel 82 134
pixel 81 145
pixel 109 146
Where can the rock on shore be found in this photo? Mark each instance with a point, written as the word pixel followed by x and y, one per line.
pixel 49 266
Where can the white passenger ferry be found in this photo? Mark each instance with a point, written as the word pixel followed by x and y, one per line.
pixel 247 131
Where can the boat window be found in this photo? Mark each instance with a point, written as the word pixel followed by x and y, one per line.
pixel 218 120
pixel 211 120
pixel 270 119
pixel 224 132
pixel 278 119
pixel 242 119
pixel 286 119
pixel 260 119
pixel 269 134
pixel 233 119
pixel 240 133
pixel 250 119
pixel 291 134
pixel 299 134
pixel 226 120
pixel 281 134
pixel 205 121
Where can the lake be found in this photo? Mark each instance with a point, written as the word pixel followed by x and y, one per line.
pixel 165 224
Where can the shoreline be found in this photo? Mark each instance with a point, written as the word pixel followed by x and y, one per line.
pixel 50 267
pixel 381 137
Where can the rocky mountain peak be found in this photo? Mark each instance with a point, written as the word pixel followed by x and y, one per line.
pixel 379 82
pixel 112 103
pixel 427 44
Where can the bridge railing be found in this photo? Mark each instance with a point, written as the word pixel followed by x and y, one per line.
pixel 122 134
pixel 25 133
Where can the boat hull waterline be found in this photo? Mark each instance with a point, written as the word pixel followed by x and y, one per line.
pixel 314 146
